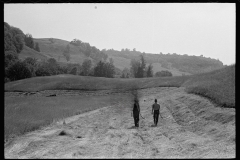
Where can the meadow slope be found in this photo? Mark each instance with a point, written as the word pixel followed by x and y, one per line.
pixel 189 127
pixel 39 101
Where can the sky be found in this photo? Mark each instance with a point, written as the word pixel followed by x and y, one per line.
pixel 207 29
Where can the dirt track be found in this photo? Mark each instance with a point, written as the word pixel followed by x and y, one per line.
pixel 190 127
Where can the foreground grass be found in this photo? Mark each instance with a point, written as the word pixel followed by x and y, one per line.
pixel 23 114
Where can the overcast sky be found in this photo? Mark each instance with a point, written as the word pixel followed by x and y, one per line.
pixel 206 29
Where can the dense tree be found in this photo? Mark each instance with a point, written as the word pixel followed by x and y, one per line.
pixel 62 70
pixel 99 69
pixel 31 64
pixel 134 67
pixel 18 70
pixel 52 66
pixel 138 68
pixel 104 69
pixel 73 71
pixel 10 58
pixel 109 69
pixel 86 67
pixel 30 61
pixel 29 40
pixel 18 42
pixel 150 71
pixel 13 38
pixel 42 71
pixel 8 42
pixel 142 67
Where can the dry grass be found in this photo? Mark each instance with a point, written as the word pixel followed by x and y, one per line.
pixel 29 113
pixel 24 114
pixel 219 86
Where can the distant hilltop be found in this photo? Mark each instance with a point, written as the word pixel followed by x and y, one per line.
pixel 77 51
pixel 178 65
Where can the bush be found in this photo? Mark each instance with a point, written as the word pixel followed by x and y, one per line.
pixel 18 70
pixel 32 65
pixel 6 80
pixel 42 71
pixel 73 71
pixel 163 74
pixel 10 58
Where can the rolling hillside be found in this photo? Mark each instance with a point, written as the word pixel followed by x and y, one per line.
pixel 55 48
pixel 28 52
pixel 217 85
pixel 177 64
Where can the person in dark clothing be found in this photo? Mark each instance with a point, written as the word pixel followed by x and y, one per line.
pixel 136 112
pixel 155 112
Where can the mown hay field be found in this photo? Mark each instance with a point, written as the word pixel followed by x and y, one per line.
pixel 22 114
pixel 28 113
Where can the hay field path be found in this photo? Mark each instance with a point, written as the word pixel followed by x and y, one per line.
pixel 190 127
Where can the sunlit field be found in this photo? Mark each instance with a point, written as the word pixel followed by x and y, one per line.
pixel 219 86
pixel 22 114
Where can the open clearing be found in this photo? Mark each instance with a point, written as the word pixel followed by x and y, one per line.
pixel 191 127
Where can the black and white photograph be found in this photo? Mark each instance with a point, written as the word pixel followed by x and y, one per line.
pixel 119 80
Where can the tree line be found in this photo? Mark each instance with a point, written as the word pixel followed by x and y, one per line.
pixel 20 69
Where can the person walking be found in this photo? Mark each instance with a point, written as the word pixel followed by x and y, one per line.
pixel 155 112
pixel 136 112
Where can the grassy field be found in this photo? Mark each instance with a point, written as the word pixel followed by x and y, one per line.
pixel 22 114
pixel 72 82
pixel 219 86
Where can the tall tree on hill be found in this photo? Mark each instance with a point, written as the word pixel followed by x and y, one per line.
pixel 99 69
pixel 141 68
pixel 150 71
pixel 37 47
pixel 110 68
pixel 134 67
pixel 138 67
pixel 29 40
